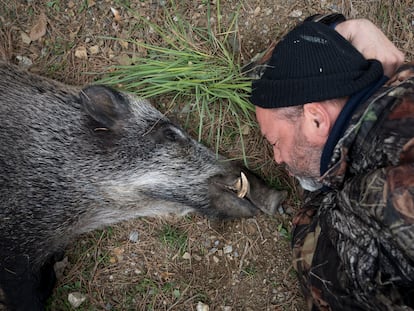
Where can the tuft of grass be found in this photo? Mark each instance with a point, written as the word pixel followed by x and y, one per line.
pixel 249 271
pixel 284 232
pixel 195 67
pixel 174 237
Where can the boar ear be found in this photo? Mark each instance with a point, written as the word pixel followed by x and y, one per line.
pixel 105 105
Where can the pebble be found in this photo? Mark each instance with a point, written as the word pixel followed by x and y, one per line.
pixel 202 307
pixel 296 13
pixel 76 299
pixel 133 236
pixel 227 249
pixel 24 61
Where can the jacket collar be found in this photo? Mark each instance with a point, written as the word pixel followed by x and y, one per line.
pixel 355 102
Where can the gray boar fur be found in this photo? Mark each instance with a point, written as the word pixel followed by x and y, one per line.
pixel 73 160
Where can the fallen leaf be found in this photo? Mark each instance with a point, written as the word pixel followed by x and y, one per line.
pixel 71 4
pixel 123 60
pixel 123 44
pixel 117 16
pixel 91 3
pixel 25 38
pixel 81 53
pixel 39 29
pixel 94 49
pixel 118 252
pixel 166 275
pixel 245 129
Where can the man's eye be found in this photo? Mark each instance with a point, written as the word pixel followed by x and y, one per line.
pixel 275 144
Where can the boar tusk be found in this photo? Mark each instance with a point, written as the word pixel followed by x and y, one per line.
pixel 242 185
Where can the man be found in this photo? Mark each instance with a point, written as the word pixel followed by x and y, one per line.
pixel 348 136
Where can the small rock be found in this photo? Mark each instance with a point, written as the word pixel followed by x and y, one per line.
pixel 60 266
pixel 296 13
pixel 202 307
pixel 215 259
pixel 133 235
pixel 186 255
pixel 76 299
pixel 24 61
pixel 227 249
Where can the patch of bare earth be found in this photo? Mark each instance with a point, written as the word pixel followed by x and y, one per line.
pixel 185 263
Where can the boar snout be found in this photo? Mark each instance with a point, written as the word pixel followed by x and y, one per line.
pixel 243 195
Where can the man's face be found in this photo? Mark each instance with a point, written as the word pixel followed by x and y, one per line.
pixel 291 145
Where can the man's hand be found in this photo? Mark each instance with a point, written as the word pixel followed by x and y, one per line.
pixel 371 42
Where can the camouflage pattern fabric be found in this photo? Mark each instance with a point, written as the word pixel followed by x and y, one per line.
pixel 353 245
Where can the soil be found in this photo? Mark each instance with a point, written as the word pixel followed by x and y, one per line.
pixel 185 263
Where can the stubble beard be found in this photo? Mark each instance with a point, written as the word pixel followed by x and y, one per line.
pixel 306 164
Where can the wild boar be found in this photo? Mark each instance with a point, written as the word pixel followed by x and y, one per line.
pixel 73 160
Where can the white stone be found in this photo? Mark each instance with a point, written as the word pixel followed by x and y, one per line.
pixel 76 299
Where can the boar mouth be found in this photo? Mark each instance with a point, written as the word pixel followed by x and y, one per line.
pixel 241 186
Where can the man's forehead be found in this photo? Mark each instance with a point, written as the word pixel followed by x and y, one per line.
pixel 269 126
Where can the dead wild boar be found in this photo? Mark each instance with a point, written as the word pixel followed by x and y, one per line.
pixel 73 160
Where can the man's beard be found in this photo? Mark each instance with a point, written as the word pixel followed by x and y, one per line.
pixel 309 183
pixel 306 164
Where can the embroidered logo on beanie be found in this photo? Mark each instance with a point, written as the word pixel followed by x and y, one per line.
pixel 313 63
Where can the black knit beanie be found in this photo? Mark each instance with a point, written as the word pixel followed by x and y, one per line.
pixel 313 63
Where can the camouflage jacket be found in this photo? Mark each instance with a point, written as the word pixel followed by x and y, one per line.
pixel 353 245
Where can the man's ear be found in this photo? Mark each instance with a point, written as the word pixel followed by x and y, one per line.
pixel 317 122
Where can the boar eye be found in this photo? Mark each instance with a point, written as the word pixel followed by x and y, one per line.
pixel 169 133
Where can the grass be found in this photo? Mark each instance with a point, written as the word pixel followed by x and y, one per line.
pixel 195 66
pixel 174 238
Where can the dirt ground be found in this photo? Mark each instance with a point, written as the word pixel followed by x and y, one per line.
pixel 178 263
